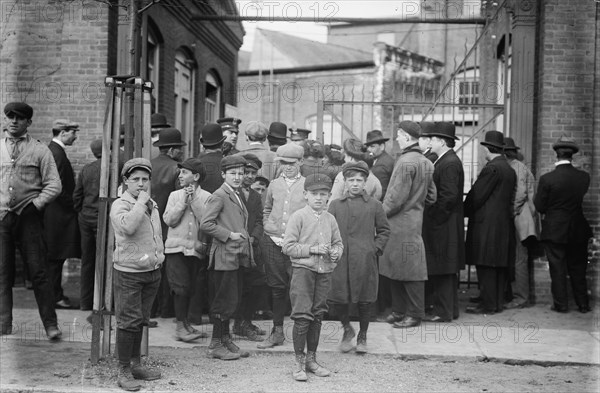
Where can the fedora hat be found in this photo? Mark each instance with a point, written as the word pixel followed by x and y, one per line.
pixel 509 144
pixel 169 137
pixel 566 142
pixel 442 129
pixel 158 120
pixel 212 135
pixel 494 139
pixel 375 136
pixel 278 131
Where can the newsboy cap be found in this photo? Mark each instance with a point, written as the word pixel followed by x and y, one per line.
pixel 359 166
pixel 64 124
pixel 20 109
pixel 194 165
pixel 136 163
pixel 96 147
pixel 299 134
pixel 290 153
pixel 252 161
pixel 318 181
pixel 231 162
pixel 257 129
pixel 411 128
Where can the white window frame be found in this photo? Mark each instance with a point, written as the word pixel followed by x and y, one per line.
pixel 184 90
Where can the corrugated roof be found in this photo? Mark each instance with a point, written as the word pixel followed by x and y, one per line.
pixel 301 52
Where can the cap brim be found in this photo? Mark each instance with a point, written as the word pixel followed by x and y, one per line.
pixel 20 114
pixel 133 168
pixel 377 141
pixel 287 159
pixel 492 145
pixel 430 134
pixel 318 187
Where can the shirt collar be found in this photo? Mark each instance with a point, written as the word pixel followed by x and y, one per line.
pixel 231 188
pixel 24 137
pixel 346 195
pixel 441 155
pixel 59 142
pixel 562 162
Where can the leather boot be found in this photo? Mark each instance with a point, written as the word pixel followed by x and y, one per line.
pixel 125 379
pixel 182 334
pixel 139 371
pixel 346 344
pixel 361 342
pixel 314 367
pixel 188 326
pixel 218 350
pixel 226 340
pixel 275 338
pixel 299 372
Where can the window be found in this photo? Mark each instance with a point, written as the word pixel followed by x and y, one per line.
pixel 184 95
pixel 468 94
pixel 212 99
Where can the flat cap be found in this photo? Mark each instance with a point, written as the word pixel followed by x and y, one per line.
pixel 64 124
pixel 411 128
pixel 318 181
pixel 252 161
pixel 257 129
pixel 290 152
pixel 299 134
pixel 20 109
pixel 136 163
pixel 194 165
pixel 359 166
pixel 231 162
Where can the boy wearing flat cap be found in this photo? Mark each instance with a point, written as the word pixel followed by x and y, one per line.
pixel 364 225
pixel 30 182
pixel 185 247
pixel 313 242
pixel 284 197
pixel 137 259
pixel 226 219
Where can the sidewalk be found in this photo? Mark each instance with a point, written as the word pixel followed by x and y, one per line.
pixel 534 335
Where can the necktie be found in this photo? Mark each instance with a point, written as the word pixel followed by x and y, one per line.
pixel 13 146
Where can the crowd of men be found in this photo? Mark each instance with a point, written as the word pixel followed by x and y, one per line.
pixel 232 233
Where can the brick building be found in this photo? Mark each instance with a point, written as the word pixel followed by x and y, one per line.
pixel 56 54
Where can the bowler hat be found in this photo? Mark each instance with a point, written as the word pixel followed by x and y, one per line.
pixel 278 130
pixel 566 142
pixel 136 163
pixel 230 162
pixel 299 134
pixel 158 120
pixel 212 135
pixel 411 128
pixel 169 137
pixel 229 124
pixel 509 144
pixel 494 139
pixel 20 109
pixel 375 136
pixel 252 161
pixel 443 129
pixel 257 129
pixel 427 128
pixel 195 166
pixel 318 181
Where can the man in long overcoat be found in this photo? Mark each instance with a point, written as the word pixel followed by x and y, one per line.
pixel 384 163
pixel 490 233
pixel 61 226
pixel 565 231
pixel 403 261
pixel 443 225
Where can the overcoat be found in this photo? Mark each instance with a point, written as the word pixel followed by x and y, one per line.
pixel 524 209
pixel 212 165
pixel 365 231
pixel 224 214
pixel 61 227
pixel 410 188
pixel 489 206
pixel 560 198
pixel 443 222
pixel 382 169
pixel 266 157
pixel 254 207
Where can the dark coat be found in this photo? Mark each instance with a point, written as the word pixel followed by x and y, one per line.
pixel 223 214
pixel 365 231
pixel 560 198
pixel 164 181
pixel 87 192
pixel 411 188
pixel 254 207
pixel 489 206
pixel 382 169
pixel 212 165
pixel 443 222
pixel 61 227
